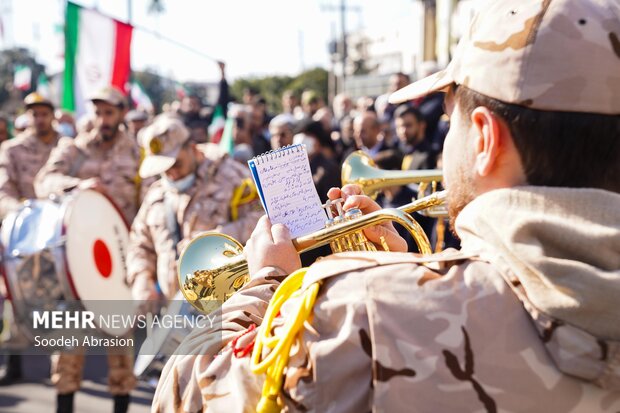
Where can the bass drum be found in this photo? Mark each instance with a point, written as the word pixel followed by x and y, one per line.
pixel 69 250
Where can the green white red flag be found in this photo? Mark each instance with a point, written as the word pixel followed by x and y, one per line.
pixel 22 77
pixel 97 54
pixel 216 128
pixel 43 86
pixel 140 98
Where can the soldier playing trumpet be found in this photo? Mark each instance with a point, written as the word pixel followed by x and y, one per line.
pixel 523 318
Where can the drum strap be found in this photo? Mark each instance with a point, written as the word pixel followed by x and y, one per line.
pixel 171 221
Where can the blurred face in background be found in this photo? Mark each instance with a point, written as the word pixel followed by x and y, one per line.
pixel 364 104
pixel 281 135
pixel 346 130
pixel 108 119
pixel 135 126
pixel 258 117
pixel 342 105
pixel 191 104
pixel 366 129
pixel 41 118
pixel 241 129
pixel 289 102
pixel 310 102
pixel 324 116
pixel 409 129
pixel 398 81
pixel 186 163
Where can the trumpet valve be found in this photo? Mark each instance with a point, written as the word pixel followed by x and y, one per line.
pixel 189 287
pixel 352 214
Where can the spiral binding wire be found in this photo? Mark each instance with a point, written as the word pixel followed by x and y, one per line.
pixel 278 153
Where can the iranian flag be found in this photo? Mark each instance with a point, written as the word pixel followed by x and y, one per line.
pixel 43 86
pixel 22 78
pixel 97 54
pixel 140 99
pixel 180 90
pixel 216 128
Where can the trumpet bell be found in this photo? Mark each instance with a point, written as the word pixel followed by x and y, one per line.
pixel 360 169
pixel 209 271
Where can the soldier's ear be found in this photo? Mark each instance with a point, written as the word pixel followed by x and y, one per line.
pixel 497 158
pixel 488 139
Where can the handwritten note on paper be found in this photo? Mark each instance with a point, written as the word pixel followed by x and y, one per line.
pixel 288 192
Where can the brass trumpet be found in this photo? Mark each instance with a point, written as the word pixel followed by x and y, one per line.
pixel 212 266
pixel 360 169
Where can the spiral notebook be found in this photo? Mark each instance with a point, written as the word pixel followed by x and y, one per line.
pixel 286 189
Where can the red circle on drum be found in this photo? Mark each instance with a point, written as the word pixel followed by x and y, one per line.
pixel 103 259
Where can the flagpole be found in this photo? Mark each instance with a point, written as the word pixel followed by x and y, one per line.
pixel 175 42
pixel 156 34
pixel 129 16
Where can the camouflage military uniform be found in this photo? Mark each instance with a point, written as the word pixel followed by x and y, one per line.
pixel 206 206
pixel 21 159
pixel 71 162
pixel 83 157
pixel 456 331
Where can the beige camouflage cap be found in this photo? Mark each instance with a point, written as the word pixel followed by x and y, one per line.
pixel 36 99
pixel 556 55
pixel 162 140
pixel 111 95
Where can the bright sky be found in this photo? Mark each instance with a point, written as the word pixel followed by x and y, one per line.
pixel 252 37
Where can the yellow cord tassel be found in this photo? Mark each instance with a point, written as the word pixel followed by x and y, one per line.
pixel 246 192
pixel 274 363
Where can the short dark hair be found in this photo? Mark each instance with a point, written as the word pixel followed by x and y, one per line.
pixel 316 129
pixel 250 90
pixel 404 110
pixel 390 159
pixel 195 96
pixel 563 149
pixel 402 74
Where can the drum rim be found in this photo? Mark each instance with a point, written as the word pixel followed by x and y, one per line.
pixel 58 250
pixel 67 209
pixel 20 311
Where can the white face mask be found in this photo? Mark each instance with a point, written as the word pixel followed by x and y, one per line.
pixel 66 129
pixel 304 139
pixel 181 185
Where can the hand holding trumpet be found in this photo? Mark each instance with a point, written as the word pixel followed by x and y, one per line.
pixel 272 246
pixel 354 198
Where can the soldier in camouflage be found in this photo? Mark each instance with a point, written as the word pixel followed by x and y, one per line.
pixel 196 193
pixel 20 160
pixel 106 160
pixel 525 317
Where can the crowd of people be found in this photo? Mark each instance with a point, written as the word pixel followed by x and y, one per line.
pixel 522 318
